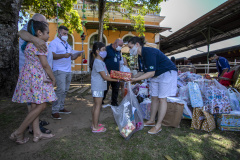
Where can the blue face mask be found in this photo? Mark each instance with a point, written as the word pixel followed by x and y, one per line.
pixel 103 54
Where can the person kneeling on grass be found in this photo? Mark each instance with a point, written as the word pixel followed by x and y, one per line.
pixel 99 78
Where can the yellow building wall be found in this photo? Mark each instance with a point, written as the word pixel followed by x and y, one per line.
pixel 110 35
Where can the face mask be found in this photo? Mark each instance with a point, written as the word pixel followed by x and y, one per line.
pixel 103 54
pixel 214 60
pixel 118 48
pixel 133 51
pixel 64 38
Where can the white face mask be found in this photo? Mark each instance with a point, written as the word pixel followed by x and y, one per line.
pixel 133 50
pixel 118 48
pixel 64 38
pixel 103 54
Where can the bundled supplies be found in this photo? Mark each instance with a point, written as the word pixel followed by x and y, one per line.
pixel 128 115
pixel 187 111
pixel 120 75
pixel 195 95
pixel 186 77
pixel 135 88
pixel 184 94
pixel 234 99
pixel 228 122
pixel 146 108
pixel 215 96
pixel 202 120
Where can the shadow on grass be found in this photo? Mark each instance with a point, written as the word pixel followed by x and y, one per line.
pixel 178 143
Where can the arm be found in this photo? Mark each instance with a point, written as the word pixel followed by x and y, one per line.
pixel 144 76
pixel 47 68
pixel 107 77
pixel 39 43
pixel 138 74
pixel 60 56
pixel 76 55
pixel 224 70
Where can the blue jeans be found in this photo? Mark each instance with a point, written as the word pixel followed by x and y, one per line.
pixel 63 80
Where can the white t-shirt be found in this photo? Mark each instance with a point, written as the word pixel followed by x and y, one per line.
pixel 97 82
pixel 50 57
pixel 59 47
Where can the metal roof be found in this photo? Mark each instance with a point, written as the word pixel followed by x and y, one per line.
pixel 126 27
pixel 222 23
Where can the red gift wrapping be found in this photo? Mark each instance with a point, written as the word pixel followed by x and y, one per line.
pixel 120 75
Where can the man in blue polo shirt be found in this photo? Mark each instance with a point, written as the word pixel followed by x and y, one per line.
pixel 221 63
pixel 112 62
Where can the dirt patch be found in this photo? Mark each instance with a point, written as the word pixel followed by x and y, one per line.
pixel 12 114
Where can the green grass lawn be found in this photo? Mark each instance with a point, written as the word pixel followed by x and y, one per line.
pixel 176 143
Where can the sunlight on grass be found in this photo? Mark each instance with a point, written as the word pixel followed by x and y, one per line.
pixel 177 143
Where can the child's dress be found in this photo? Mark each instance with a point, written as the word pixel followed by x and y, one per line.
pixel 30 86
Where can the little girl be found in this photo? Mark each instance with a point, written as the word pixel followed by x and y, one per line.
pixel 30 86
pixel 99 78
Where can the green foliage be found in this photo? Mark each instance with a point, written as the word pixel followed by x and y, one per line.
pixel 50 9
pixel 136 17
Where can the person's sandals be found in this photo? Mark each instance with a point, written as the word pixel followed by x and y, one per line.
pixel 154 130
pixel 149 124
pixel 37 139
pixel 43 123
pixel 99 130
pixel 14 137
pixel 43 130
pixel 99 125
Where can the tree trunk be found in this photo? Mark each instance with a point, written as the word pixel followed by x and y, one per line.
pixel 101 10
pixel 9 14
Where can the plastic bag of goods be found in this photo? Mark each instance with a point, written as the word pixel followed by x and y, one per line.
pixel 128 115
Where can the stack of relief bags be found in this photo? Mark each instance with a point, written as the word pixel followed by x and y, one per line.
pixel 207 97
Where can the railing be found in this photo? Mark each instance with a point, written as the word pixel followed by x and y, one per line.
pixel 79 6
pixel 196 67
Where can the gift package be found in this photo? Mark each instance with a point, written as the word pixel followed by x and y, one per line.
pixel 127 130
pixel 228 122
pixel 195 95
pixel 186 77
pixel 120 75
pixel 146 109
pixel 202 120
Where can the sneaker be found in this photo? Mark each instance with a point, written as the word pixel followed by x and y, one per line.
pixel 56 116
pixel 64 111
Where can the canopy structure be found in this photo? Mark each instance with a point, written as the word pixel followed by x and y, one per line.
pixel 219 24
pixel 126 27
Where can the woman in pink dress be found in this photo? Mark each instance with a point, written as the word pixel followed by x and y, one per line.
pixel 32 87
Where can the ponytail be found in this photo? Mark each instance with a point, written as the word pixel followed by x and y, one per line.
pixel 93 54
pixel 91 60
